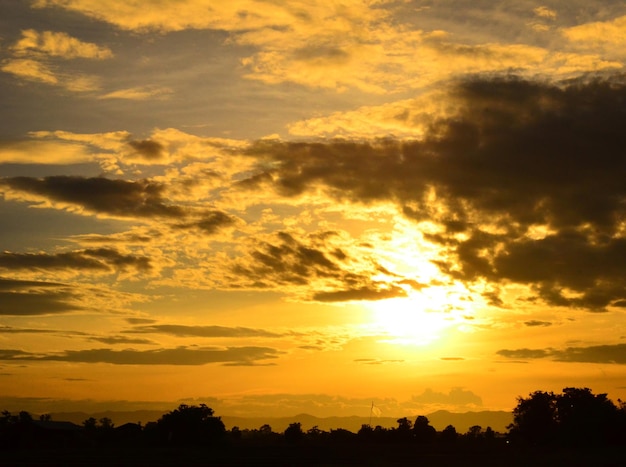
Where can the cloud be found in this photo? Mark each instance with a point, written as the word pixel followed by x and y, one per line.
pixel 122 198
pixel 58 44
pixel 14 330
pixel 371 293
pixel 615 354
pixel 331 45
pixel 139 93
pixel 523 180
pixel 140 320
pixel 201 331
pixel 42 152
pixel 36 71
pixel 537 323
pixel 41 57
pixel 113 340
pixel 148 149
pixel 545 12
pixel 31 70
pixel 456 396
pixel 320 266
pixel 600 33
pixel 40 302
pixel 376 361
pixel 31 298
pixel 404 119
pixel 177 16
pixel 16 284
pixel 524 353
pixel 118 150
pixel 103 259
pixel 175 356
pixel 209 223
pixel 569 260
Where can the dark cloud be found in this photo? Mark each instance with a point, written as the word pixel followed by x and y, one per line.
pixel 15 284
pixel 593 354
pixel 28 298
pixel 517 154
pixel 126 238
pixel 37 302
pixel 148 149
pixel 202 331
pixel 287 261
pixel 175 356
pixel 210 222
pixel 291 261
pixel 537 323
pixel 14 330
pixel 322 54
pixel 140 320
pixel 524 353
pixel 373 292
pixel 91 259
pixel 141 198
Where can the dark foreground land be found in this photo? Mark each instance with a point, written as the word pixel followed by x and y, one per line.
pixel 330 456
pixel 573 429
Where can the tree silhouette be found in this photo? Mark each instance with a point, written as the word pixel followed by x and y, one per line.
pixel 584 417
pixel 449 434
pixel 90 424
pixel 191 424
pixel 534 418
pixel 576 416
pixel 294 433
pixel 474 431
pixel 423 432
pixel 265 429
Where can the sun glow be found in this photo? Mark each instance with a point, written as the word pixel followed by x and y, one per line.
pixel 419 319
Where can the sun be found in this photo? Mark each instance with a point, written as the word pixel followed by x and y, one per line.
pixel 419 319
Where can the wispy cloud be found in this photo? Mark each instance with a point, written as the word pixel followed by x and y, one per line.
pixel 41 57
pixel 201 331
pixel 175 356
pixel 58 44
pixel 615 353
pixel 139 93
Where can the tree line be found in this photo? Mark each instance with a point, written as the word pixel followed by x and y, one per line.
pixel 575 417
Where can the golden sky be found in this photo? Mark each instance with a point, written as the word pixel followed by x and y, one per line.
pixel 284 206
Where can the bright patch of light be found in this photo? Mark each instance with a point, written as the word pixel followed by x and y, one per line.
pixel 419 319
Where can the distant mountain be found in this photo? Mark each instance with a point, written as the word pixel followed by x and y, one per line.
pixel 497 420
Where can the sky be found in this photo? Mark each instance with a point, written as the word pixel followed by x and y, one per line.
pixel 287 206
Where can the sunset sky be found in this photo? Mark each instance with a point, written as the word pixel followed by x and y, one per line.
pixel 286 206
